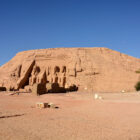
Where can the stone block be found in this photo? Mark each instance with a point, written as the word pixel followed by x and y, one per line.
pixel 39 89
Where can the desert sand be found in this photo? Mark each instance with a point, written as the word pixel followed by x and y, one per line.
pixel 79 117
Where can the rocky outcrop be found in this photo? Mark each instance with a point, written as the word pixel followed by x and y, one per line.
pixel 90 69
pixel 25 74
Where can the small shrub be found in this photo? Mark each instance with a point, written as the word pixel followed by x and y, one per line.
pixel 137 86
pixel 137 71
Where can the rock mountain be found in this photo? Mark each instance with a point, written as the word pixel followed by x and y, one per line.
pixel 90 69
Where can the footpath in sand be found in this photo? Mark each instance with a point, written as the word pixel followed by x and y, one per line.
pixel 79 117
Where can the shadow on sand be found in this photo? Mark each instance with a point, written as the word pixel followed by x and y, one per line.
pixel 9 116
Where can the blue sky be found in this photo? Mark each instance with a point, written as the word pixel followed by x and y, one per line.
pixel 36 24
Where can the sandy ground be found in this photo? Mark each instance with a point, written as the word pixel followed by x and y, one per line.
pixel 79 117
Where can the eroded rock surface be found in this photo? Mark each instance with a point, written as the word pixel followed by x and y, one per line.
pixel 90 69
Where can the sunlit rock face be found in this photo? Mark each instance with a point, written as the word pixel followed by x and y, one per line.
pixel 90 69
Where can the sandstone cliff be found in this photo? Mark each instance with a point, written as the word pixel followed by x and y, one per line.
pixel 91 69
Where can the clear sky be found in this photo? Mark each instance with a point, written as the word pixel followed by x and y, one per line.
pixel 36 24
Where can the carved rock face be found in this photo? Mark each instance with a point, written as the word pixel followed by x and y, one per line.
pixel 90 69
